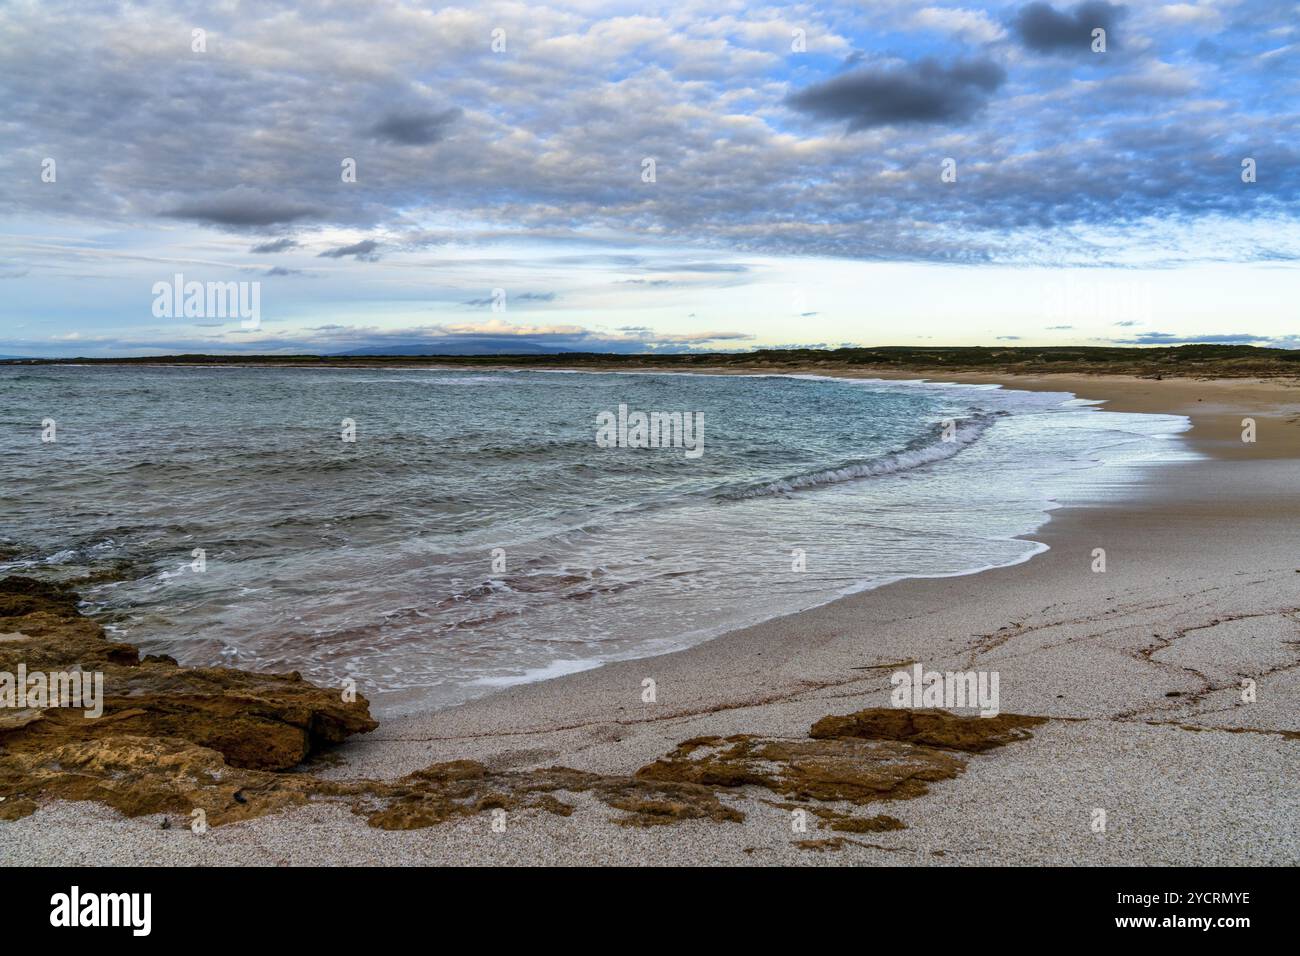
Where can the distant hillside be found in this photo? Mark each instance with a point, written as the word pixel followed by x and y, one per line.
pixel 476 347
pixel 1196 361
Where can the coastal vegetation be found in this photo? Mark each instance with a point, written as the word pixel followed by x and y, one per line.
pixel 1204 361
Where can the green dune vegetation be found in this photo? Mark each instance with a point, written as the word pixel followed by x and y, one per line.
pixel 1194 361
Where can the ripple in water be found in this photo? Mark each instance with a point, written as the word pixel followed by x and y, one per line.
pixel 475 535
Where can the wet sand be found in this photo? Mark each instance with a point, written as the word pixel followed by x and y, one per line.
pixel 1139 671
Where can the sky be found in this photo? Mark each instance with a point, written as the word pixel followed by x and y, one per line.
pixel 608 176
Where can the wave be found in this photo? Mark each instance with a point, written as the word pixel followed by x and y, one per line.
pixel 916 454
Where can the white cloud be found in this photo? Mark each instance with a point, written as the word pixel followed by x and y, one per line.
pixel 1188 13
pixel 975 25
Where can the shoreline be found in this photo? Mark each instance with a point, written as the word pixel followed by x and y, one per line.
pixel 1094 673
pixel 1125 393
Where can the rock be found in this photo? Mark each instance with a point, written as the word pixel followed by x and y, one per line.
pixel 931 728
pixel 175 739
pixel 254 721
pixel 851 770
pixel 874 754
pixel 142 776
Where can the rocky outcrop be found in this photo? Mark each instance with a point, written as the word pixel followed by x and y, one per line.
pixel 875 754
pixel 215 744
pixel 928 728
pixel 251 721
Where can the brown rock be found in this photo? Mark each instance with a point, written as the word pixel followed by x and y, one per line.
pixel 175 739
pixel 263 721
pixel 933 728
pixel 859 771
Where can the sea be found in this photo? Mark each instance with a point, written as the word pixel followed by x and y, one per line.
pixel 434 534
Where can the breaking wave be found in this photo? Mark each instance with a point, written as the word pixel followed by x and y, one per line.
pixel 916 454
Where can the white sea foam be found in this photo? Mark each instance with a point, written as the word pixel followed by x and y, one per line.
pixel 373 561
pixel 533 675
pixel 922 453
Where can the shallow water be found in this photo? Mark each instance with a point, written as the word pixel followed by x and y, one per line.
pixel 476 535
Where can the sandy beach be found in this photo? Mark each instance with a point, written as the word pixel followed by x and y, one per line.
pixel 1137 673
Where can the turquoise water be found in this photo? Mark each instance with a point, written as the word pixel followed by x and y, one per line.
pixel 475 534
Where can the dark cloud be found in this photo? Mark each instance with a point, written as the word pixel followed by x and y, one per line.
pixel 547 155
pixel 363 251
pixel 415 129
pixel 921 92
pixel 282 271
pixel 276 245
pixel 243 208
pixel 1043 28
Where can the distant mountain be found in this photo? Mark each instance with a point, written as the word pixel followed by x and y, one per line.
pixel 472 347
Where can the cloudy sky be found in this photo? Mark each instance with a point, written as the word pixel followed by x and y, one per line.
pixel 631 176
